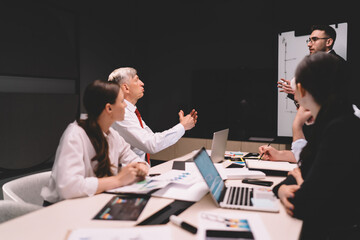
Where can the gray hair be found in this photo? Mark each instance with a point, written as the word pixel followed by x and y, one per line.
pixel 122 75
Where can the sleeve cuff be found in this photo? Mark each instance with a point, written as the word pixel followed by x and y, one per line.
pixel 297 146
pixel 180 128
pixel 92 185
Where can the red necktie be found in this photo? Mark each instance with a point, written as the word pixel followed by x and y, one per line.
pixel 139 117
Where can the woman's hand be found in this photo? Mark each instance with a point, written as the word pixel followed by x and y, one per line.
pixel 285 192
pixel 269 153
pixel 128 174
pixel 296 172
pixel 142 170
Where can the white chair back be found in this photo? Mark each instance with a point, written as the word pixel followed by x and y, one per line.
pixel 26 189
pixel 10 209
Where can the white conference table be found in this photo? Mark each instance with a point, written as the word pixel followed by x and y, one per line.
pixel 55 222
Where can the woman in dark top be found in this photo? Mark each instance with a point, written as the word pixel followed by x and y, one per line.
pixel 323 192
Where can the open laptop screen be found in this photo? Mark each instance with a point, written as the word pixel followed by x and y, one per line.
pixel 209 173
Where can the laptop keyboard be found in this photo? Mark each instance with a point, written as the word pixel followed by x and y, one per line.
pixel 240 196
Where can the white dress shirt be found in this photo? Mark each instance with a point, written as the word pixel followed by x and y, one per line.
pixel 73 173
pixel 297 146
pixel 143 140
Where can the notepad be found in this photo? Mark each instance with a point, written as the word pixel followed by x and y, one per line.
pixel 276 166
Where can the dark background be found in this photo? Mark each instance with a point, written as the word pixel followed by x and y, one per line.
pixel 219 57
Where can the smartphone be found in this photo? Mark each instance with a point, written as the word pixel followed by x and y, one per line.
pixel 227 235
pixel 179 165
pixel 258 182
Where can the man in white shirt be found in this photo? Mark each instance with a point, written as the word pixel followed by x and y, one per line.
pixel 133 129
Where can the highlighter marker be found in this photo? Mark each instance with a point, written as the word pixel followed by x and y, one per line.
pixel 179 222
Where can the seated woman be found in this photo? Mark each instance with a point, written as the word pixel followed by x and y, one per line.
pixel 92 157
pixel 323 191
pixel 303 118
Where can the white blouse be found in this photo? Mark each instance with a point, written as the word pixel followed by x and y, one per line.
pixel 73 173
pixel 144 140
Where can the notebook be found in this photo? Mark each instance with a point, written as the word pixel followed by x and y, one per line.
pixel 271 168
pixel 236 197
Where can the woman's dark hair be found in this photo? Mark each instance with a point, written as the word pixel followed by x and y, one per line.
pixel 322 75
pixel 97 94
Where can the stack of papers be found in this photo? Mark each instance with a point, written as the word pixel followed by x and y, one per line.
pixel 158 182
pixel 183 185
pixel 237 173
pixel 233 155
pixel 142 187
pixel 231 226
pixel 175 184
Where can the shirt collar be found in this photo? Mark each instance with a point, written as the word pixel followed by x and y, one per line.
pixel 356 111
pixel 109 134
pixel 130 106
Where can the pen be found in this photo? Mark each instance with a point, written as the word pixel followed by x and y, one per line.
pixel 263 152
pixel 154 174
pixel 179 222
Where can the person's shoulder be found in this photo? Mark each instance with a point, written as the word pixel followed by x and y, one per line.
pixel 73 129
pixel 74 126
pixel 115 134
pixel 345 125
pixel 332 51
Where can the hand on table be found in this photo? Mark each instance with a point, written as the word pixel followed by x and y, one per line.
pixel 285 192
pixel 296 173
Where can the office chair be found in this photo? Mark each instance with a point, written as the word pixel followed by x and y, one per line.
pixel 26 189
pixel 10 209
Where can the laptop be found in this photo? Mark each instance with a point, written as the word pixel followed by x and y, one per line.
pixel 218 146
pixel 235 197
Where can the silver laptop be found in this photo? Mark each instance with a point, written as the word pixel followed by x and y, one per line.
pixel 236 197
pixel 218 146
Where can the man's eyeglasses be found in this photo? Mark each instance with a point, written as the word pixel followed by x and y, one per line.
pixel 314 39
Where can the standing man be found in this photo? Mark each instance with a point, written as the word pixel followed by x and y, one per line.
pixel 322 39
pixel 133 129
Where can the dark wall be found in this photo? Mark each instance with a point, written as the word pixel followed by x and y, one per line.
pixel 38 39
pixel 182 50
pixel 219 57
pixel 38 43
